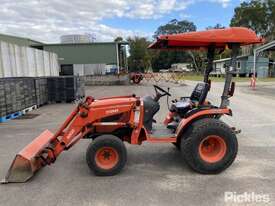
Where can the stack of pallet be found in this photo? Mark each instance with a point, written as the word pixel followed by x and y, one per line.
pixel 15 99
pixel 2 99
pixel 19 95
pixel 41 90
pixel 10 94
pixel 19 103
pixel 65 88
pixel 15 95
pixel 29 92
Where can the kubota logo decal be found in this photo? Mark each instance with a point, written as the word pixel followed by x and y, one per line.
pixel 111 111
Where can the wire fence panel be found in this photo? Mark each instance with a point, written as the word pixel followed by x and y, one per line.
pixel 11 51
pixel 39 63
pixel 47 69
pixel 7 71
pixel 31 63
pixel 156 77
pixel 20 61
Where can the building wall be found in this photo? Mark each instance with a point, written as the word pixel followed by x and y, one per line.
pixel 243 64
pixel 89 69
pixel 92 53
pixel 246 66
pixel 262 66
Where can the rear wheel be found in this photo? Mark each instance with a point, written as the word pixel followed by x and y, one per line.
pixel 177 145
pixel 210 147
pixel 106 155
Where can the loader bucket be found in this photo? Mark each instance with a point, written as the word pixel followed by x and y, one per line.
pixel 26 162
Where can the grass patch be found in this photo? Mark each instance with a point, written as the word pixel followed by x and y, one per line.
pixel 221 79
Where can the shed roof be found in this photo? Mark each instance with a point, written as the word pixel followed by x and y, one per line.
pixel 228 59
pixel 19 40
pixel 87 43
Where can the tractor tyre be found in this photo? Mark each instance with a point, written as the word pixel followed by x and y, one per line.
pixel 211 146
pixel 106 155
pixel 137 80
pixel 177 145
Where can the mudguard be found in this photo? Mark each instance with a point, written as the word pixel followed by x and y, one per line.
pixel 201 114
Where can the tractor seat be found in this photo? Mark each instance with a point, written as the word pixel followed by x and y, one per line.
pixel 200 92
pixel 197 98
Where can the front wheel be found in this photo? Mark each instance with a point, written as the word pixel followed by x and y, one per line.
pixel 211 146
pixel 176 145
pixel 106 155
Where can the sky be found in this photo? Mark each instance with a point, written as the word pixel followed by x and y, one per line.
pixel 47 20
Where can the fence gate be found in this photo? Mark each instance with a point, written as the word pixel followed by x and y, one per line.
pixel 158 77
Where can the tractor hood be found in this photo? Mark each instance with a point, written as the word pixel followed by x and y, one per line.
pixel 114 101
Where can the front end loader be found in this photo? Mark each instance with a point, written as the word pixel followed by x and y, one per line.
pixel 193 124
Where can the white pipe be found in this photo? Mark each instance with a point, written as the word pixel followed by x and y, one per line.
pixel 254 63
pixel 117 58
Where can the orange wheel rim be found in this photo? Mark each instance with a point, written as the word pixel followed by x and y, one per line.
pixel 106 158
pixel 212 149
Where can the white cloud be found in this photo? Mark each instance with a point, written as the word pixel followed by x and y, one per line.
pixel 224 3
pixel 46 20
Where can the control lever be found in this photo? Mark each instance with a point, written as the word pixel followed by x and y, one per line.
pixel 168 106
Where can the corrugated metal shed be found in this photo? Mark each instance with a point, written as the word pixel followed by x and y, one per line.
pixel 84 53
pixel 244 65
pixel 34 62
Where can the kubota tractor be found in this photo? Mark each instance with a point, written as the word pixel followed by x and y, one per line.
pixel 193 125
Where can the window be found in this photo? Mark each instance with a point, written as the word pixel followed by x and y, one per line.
pixel 238 65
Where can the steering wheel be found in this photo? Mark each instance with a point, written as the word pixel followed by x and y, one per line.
pixel 160 92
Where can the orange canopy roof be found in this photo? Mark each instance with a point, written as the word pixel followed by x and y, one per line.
pixel 203 39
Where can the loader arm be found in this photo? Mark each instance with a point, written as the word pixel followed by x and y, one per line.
pixel 73 129
pixel 44 149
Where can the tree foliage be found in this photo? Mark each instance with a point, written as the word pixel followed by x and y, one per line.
pixel 164 59
pixel 257 15
pixel 175 27
pixel 118 39
pixel 217 26
pixel 139 59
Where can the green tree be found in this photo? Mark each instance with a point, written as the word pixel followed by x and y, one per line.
pixel 164 59
pixel 118 39
pixel 257 15
pixel 271 17
pixel 140 58
pixel 217 26
pixel 174 27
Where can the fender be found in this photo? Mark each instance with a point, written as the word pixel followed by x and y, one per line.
pixel 169 118
pixel 200 114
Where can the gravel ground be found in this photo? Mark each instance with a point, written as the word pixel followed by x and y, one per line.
pixel 155 173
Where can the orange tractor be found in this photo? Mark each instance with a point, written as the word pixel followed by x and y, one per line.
pixel 193 125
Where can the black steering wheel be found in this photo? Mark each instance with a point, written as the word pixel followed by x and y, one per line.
pixel 160 92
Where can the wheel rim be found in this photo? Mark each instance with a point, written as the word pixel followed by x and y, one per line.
pixel 106 158
pixel 212 149
pixel 136 79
